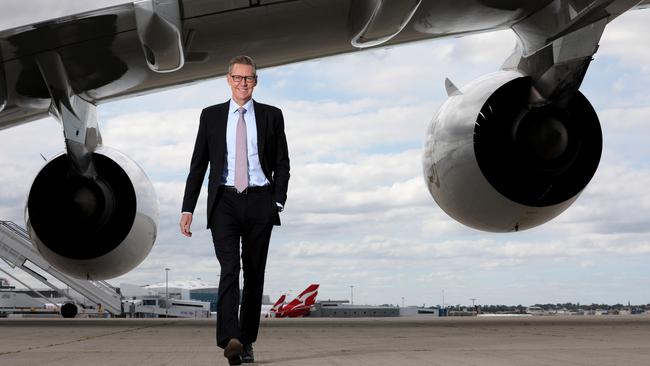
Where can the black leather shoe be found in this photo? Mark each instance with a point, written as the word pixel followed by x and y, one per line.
pixel 247 356
pixel 233 352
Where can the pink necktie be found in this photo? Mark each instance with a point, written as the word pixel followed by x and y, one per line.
pixel 241 154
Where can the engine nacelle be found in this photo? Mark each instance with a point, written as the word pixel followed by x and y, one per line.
pixel 93 229
pixel 495 162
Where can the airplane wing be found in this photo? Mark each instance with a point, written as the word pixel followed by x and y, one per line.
pixel 134 48
pixel 507 152
pixel 147 45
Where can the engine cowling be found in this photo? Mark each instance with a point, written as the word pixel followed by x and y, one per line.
pixel 93 229
pixel 495 162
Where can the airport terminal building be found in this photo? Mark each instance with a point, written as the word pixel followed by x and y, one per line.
pixel 342 309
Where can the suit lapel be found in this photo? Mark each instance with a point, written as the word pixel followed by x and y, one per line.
pixel 260 122
pixel 222 124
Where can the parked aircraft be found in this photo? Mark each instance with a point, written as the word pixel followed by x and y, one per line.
pixel 269 310
pixel 507 152
pixel 298 307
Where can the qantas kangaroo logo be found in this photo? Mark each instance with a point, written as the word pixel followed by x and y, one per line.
pixel 300 306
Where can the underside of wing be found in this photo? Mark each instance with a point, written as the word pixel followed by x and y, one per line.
pixel 136 48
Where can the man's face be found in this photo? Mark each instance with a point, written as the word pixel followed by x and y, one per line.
pixel 242 91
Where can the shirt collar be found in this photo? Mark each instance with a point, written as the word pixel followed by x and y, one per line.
pixel 234 107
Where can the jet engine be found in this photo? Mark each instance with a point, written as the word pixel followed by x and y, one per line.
pixel 93 228
pixel 500 158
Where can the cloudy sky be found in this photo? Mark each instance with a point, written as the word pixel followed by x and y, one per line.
pixel 358 212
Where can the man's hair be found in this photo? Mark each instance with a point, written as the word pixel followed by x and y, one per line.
pixel 243 60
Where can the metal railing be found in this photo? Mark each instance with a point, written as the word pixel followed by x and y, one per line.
pixel 16 249
pixel 10 225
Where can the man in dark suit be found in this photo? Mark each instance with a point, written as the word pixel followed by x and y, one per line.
pixel 244 143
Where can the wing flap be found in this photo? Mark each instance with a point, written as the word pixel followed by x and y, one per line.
pixel 97 25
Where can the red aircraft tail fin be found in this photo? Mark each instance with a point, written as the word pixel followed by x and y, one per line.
pixel 306 298
pixel 277 307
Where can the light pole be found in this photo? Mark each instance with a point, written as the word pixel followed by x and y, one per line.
pixel 351 294
pixel 167 283
pixel 443 298
pixel 167 292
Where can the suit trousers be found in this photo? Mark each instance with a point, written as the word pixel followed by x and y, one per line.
pixel 247 217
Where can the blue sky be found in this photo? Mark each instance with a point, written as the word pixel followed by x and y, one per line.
pixel 358 211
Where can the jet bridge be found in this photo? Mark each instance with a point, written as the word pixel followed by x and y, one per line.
pixel 17 250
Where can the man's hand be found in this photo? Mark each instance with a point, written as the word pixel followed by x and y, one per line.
pixel 186 222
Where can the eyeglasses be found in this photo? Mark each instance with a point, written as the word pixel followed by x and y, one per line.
pixel 239 78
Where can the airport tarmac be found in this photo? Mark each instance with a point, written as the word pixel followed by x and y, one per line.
pixel 553 340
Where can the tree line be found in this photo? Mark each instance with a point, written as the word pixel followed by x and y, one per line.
pixel 520 309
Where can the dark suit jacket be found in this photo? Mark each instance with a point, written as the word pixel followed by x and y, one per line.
pixel 210 147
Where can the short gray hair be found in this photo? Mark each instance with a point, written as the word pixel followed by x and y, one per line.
pixel 243 60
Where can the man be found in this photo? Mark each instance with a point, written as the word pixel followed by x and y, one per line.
pixel 244 143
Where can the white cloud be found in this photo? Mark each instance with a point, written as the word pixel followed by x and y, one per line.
pixel 626 39
pixel 162 142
